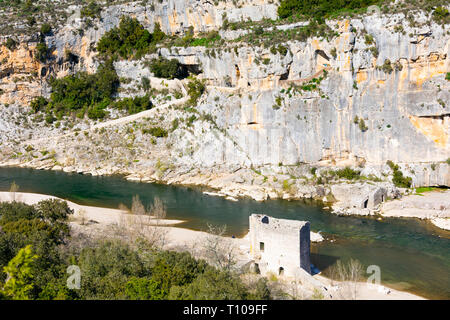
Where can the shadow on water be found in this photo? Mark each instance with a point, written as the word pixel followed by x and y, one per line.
pixel 323 261
pixel 412 254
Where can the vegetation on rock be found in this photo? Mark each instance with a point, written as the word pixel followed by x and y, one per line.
pixel 130 40
pixel 320 8
pixel 169 69
pixel 398 179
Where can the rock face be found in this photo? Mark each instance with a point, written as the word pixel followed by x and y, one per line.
pixel 377 91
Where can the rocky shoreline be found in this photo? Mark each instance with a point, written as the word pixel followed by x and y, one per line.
pixel 345 198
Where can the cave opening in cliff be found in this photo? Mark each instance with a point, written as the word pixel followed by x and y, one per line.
pixel 322 54
pixel 285 75
pixel 190 69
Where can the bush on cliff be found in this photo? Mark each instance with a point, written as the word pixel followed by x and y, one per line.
pixel 130 39
pixel 348 173
pixel 168 69
pixel 80 93
pixel 196 88
pixel 320 8
pixel 11 44
pixel 398 179
pixel 41 52
pixel 134 105
pixel 83 91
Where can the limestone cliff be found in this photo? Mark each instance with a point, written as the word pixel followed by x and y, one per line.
pixel 375 91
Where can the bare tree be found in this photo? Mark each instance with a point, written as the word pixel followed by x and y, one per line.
pixel 139 225
pixel 355 271
pixel 158 209
pixel 137 207
pixel 83 218
pixel 219 250
pixel 350 274
pixel 13 189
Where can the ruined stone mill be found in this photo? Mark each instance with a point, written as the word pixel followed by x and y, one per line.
pixel 280 246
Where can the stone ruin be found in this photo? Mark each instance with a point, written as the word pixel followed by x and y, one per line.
pixel 279 246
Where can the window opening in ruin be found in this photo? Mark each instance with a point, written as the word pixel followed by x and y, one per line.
pixel 366 203
pixel 281 271
pixel 257 271
pixel 261 246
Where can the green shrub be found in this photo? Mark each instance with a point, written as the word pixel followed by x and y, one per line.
pixel 282 50
pixel 46 29
pixel 134 105
pixel 441 15
pixel 38 104
pixel 129 39
pixel 156 132
pixel 398 179
pixel 374 51
pixel 348 173
pixel 92 10
pixel 82 92
pixel 368 39
pixel 212 285
pixel 210 38
pixel 196 88
pixel 175 124
pixel 333 52
pixel 11 44
pixel 41 52
pixel 110 269
pixel 447 76
pixel 362 125
pixel 387 66
pixel 320 8
pixel 49 118
pixel 145 82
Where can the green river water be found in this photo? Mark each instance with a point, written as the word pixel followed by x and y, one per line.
pixel 413 255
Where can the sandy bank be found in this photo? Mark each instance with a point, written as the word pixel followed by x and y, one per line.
pixel 433 205
pixel 94 214
pixel 365 291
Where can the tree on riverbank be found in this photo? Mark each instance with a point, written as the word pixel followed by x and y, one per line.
pixel 36 249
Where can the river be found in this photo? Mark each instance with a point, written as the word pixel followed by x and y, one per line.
pixel 413 255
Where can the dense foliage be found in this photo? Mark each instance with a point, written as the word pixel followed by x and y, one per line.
pixel 129 39
pixel 320 8
pixel 81 93
pixel 36 250
pixel 84 91
pixel 40 230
